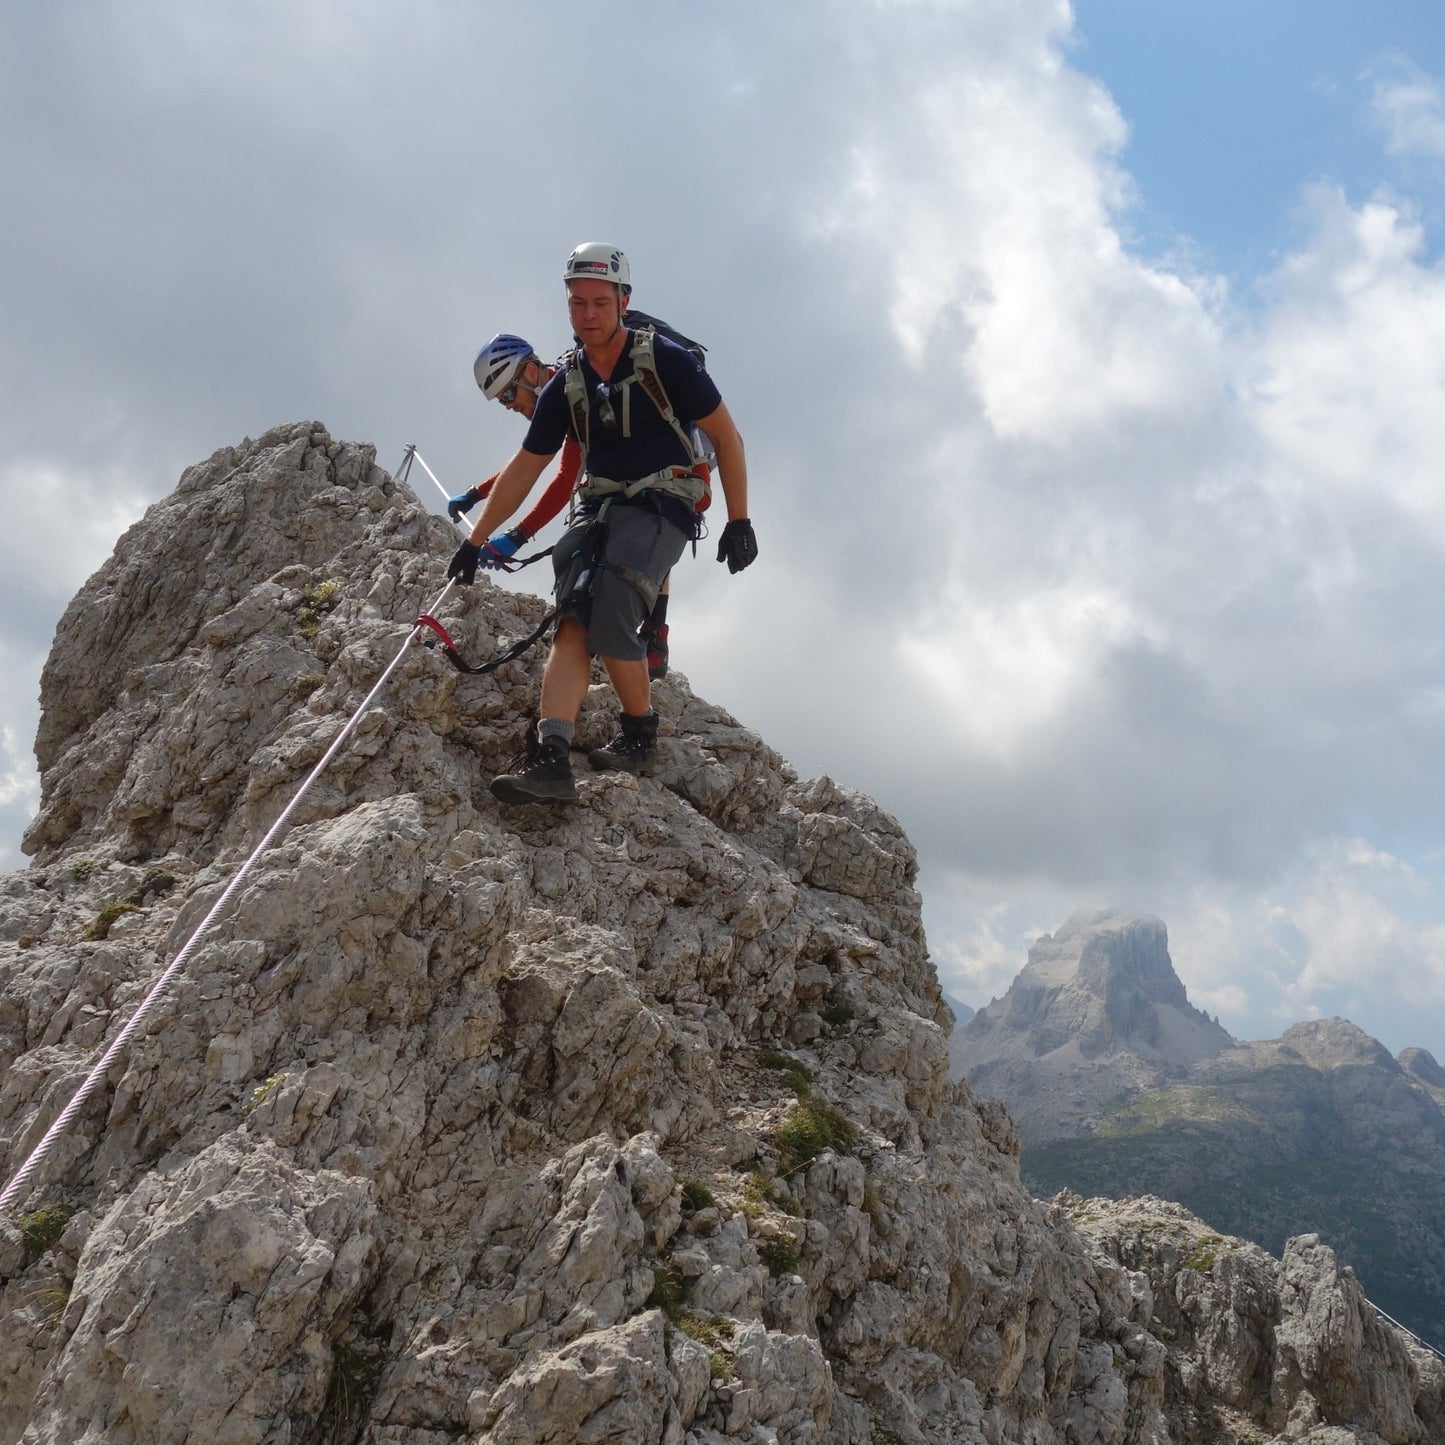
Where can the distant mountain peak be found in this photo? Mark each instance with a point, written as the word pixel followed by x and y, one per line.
pixel 1097 1009
pixel 1104 982
pixel 1328 1043
pixel 1420 1063
pixel 1119 1086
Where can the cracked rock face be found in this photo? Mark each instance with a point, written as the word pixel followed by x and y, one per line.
pixel 1260 1348
pixel 623 1122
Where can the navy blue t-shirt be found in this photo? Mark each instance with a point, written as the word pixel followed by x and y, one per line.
pixel 653 444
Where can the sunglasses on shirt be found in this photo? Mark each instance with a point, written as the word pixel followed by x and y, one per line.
pixel 606 412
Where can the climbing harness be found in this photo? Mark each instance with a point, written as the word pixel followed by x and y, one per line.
pixel 15 1190
pixel 691 483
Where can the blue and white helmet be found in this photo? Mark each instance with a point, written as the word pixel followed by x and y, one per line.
pixel 499 361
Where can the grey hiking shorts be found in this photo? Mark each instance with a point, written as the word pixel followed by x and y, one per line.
pixel 641 548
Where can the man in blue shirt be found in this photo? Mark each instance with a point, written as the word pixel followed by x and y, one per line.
pixel 638 512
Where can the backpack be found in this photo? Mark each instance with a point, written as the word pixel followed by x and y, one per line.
pixel 693 483
pixel 640 320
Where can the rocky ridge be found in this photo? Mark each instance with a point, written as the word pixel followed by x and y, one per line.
pixel 1243 1328
pixel 1265 1140
pixel 627 1122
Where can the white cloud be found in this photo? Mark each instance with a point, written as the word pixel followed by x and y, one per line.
pixel 19 786
pixel 79 515
pixel 1117 586
pixel 19 794
pixel 1347 376
pixel 1000 667
pixel 1010 266
pixel 1183 628
pixel 987 935
pixel 1348 929
pixel 1410 105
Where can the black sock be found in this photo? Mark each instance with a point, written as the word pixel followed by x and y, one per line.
pixel 659 611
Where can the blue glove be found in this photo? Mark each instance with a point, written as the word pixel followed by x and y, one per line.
pixel 501 547
pixel 463 567
pixel 463 502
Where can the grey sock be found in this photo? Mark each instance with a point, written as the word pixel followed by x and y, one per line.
pixel 556 727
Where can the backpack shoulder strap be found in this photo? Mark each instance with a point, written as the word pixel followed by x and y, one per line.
pixel 576 390
pixel 644 365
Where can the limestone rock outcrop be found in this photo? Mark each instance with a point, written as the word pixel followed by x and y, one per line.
pixel 626 1122
pixel 1097 1009
pixel 1258 1347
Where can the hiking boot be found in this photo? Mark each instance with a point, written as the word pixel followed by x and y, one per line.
pixel 632 746
pixel 654 639
pixel 543 774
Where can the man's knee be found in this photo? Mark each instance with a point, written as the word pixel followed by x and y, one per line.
pixel 569 643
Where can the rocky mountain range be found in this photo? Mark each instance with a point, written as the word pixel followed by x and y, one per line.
pixel 624 1122
pixel 1120 1087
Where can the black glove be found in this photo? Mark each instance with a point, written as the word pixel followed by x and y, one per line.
pixel 737 546
pixel 463 502
pixel 464 565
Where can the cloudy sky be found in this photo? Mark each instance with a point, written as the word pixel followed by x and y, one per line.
pixel 1089 358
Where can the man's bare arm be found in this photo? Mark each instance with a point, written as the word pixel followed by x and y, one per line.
pixel 732 463
pixel 509 491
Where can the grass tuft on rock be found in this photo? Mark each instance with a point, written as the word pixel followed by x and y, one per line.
pixel 794 1070
pixel 696 1196
pixel 44 1227
pixel 780 1254
pixel 106 918
pixel 669 1291
pixel 811 1127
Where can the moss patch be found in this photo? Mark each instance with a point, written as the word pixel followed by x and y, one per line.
pixel 1203 1252
pixel 43 1228
pixel 105 918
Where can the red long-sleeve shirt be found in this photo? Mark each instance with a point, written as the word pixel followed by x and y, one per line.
pixel 559 490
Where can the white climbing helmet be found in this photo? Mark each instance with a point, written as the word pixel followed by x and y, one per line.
pixel 499 362
pixel 597 261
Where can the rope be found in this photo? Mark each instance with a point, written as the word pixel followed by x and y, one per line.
pixel 411 452
pixel 514 564
pixel 1406 1330
pixel 93 1079
pixel 449 648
